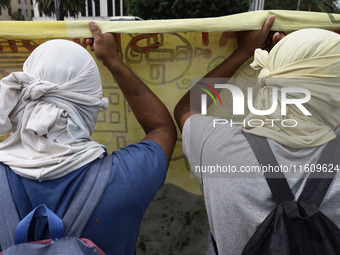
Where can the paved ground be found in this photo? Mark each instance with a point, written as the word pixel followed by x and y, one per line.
pixel 174 224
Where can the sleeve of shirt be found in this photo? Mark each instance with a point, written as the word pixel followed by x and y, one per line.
pixel 195 132
pixel 144 165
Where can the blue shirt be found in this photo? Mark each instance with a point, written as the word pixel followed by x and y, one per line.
pixel 138 172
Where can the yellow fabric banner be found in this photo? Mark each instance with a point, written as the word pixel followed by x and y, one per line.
pixel 165 54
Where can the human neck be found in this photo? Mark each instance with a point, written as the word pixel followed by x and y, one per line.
pixel 291 149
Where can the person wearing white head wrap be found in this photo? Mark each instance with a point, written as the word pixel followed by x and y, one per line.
pixel 50 109
pixel 308 59
pixel 237 195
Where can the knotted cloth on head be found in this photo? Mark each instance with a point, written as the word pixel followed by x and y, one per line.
pixel 307 59
pixel 50 109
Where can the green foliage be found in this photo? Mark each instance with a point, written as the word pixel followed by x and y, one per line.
pixel 318 5
pixel 17 16
pixel 5 4
pixel 280 5
pixel 73 7
pixel 175 9
pixel 305 5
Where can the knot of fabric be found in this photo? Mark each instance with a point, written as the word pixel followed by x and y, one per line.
pixel 104 103
pixel 36 89
pixel 264 73
pixel 261 61
pixel 306 59
pixel 50 109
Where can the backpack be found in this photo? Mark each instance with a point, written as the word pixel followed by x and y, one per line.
pixel 64 233
pixel 295 227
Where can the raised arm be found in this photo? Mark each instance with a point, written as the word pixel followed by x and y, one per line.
pixel 248 41
pixel 150 112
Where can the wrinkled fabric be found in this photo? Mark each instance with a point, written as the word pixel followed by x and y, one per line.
pixel 307 59
pixel 50 109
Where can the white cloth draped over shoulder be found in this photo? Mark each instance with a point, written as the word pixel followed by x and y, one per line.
pixel 50 110
pixel 308 59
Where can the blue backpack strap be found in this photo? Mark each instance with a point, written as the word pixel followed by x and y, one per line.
pixel 9 218
pixel 87 197
pixel 55 225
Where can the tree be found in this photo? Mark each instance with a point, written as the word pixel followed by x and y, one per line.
pixel 71 7
pixel 280 5
pixel 17 15
pixel 175 9
pixel 305 5
pixel 5 4
pixel 318 5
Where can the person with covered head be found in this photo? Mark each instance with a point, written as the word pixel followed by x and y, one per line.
pixel 50 111
pixel 307 59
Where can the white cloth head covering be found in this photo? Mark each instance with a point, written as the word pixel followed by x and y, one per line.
pixel 50 109
pixel 308 59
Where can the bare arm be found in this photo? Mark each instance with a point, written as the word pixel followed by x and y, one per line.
pixel 150 112
pixel 248 41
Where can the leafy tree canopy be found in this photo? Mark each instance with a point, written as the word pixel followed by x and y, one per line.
pixel 5 4
pixel 305 5
pixel 17 16
pixel 72 7
pixel 175 9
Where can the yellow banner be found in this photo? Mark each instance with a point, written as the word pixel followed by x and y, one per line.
pixel 165 54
